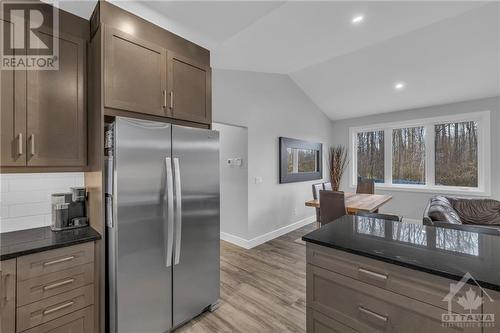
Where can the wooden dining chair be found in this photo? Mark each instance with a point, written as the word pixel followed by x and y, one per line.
pixel 332 206
pixel 327 186
pixel 365 186
pixel 316 188
pixel 390 217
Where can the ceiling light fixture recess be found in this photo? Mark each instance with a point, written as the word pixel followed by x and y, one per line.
pixel 399 85
pixel 357 19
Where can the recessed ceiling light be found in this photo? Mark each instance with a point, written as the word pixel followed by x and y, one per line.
pixel 357 19
pixel 399 85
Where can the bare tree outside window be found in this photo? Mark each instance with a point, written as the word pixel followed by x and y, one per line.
pixel 302 160
pixel 457 241
pixel 370 155
pixel 456 154
pixel 408 156
pixel 409 233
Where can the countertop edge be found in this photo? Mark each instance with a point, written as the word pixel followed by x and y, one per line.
pixel 399 263
pixel 89 238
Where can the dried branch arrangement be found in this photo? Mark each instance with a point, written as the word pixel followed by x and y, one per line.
pixel 338 164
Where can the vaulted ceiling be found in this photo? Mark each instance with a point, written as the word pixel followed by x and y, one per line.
pixel 443 51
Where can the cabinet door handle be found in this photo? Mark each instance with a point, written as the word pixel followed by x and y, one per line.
pixel 57 308
pixel 372 314
pixel 164 98
pixel 32 144
pixel 20 144
pixel 58 261
pixel 372 274
pixel 5 288
pixel 58 284
pixel 171 100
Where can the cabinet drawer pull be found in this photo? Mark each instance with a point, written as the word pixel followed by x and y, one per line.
pixel 58 261
pixel 57 308
pixel 373 314
pixel 375 275
pixel 164 98
pixel 20 144
pixel 171 100
pixel 58 284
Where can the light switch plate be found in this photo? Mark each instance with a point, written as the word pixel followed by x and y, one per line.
pixel 234 161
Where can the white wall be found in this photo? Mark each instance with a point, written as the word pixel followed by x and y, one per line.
pixel 233 180
pixel 25 198
pixel 270 106
pixel 411 204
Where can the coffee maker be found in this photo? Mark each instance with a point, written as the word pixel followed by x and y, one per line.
pixel 69 210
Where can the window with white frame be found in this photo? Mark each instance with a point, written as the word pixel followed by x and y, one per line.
pixel 445 154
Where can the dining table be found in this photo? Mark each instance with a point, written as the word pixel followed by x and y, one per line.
pixel 355 202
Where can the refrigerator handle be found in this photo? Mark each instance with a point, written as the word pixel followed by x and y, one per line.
pixel 168 239
pixel 178 211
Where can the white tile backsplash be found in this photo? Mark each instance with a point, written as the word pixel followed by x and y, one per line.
pixel 25 198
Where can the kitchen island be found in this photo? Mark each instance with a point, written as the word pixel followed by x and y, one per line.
pixel 372 275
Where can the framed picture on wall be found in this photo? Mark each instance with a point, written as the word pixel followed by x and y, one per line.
pixel 300 160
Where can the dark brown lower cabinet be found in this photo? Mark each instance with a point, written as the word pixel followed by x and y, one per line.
pixel 52 291
pixel 190 92
pixel 492 306
pixel 352 293
pixel 56 108
pixel 8 296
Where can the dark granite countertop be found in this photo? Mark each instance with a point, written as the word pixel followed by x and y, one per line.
pixel 446 252
pixel 19 243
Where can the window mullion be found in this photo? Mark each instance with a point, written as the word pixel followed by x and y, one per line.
pixel 430 155
pixel 388 156
pixel 353 158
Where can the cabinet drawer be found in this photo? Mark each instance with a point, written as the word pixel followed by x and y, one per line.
pixel 32 290
pixel 81 321
pixel 47 262
pixel 367 308
pixel 54 307
pixel 319 323
pixel 408 282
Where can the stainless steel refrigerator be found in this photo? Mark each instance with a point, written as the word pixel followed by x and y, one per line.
pixel 162 216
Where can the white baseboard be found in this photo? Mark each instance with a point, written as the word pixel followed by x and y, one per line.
pixel 250 243
pixel 241 242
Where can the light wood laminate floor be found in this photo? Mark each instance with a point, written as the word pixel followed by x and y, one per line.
pixel 262 289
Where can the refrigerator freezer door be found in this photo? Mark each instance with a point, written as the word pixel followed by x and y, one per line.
pixel 195 155
pixel 143 283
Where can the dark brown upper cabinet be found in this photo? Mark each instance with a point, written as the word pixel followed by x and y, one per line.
pixel 189 85
pixel 134 74
pixel 43 112
pixel 13 116
pixel 56 108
